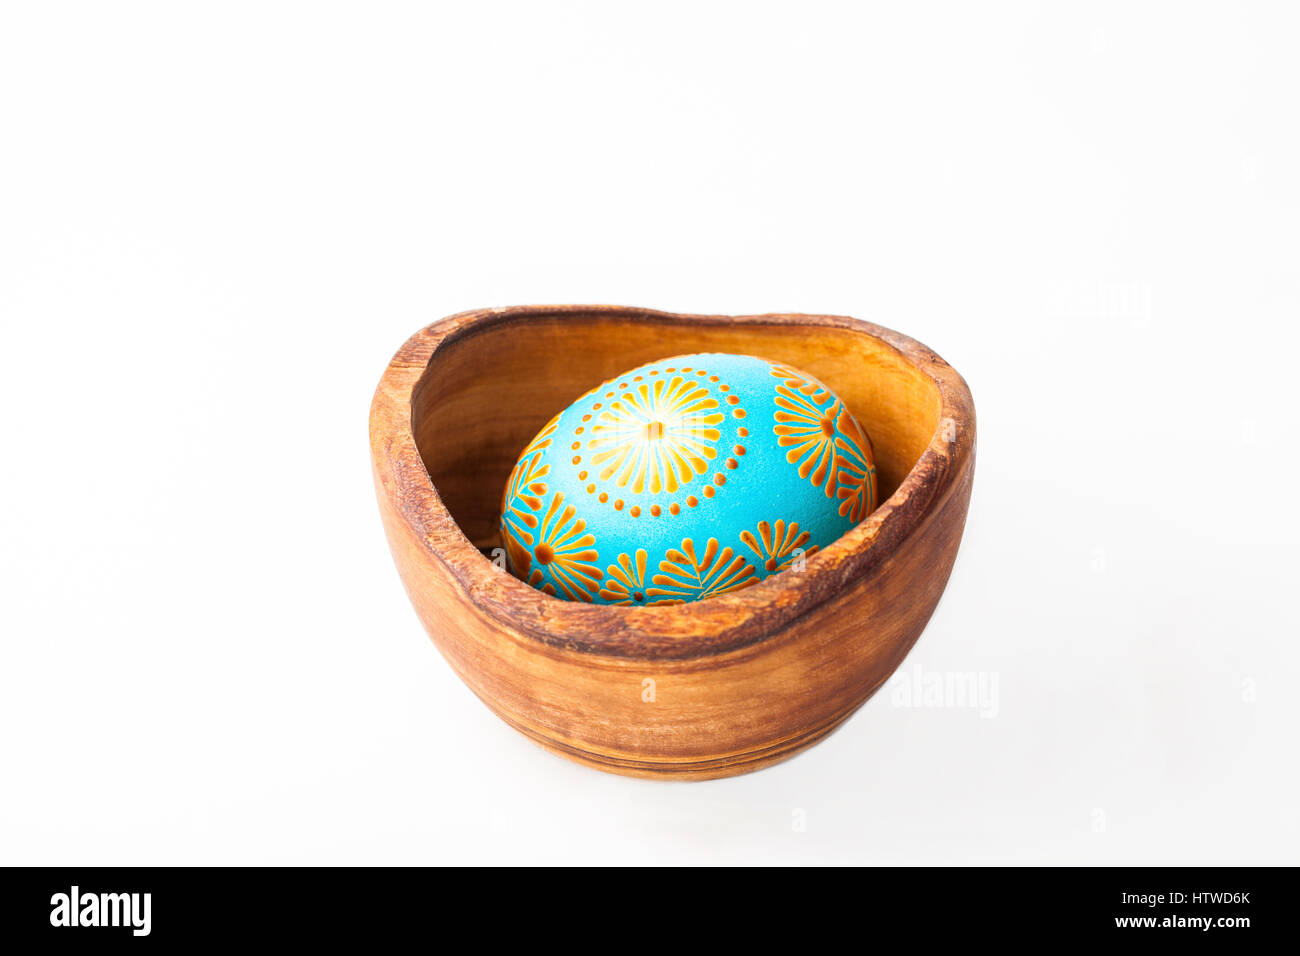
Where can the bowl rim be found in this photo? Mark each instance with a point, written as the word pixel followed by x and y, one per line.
pixel 723 624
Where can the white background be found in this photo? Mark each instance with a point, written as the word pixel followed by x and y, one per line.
pixel 218 221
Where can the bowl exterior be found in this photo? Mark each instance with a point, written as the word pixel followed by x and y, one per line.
pixel 726 707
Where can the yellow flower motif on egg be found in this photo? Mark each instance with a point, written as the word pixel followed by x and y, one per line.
pixel 686 576
pixel 567 554
pixel 801 382
pixel 775 547
pixel 811 431
pixel 826 443
pixel 657 436
pixel 856 487
pixel 625 581
pixel 523 496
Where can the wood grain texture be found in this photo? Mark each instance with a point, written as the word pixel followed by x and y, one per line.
pixel 739 681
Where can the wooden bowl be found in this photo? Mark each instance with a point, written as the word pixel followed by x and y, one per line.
pixel 709 689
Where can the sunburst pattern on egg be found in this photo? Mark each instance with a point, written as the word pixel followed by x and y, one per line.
pixel 684 479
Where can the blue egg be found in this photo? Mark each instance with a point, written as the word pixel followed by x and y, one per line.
pixel 684 479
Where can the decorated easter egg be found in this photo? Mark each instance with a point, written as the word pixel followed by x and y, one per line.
pixel 684 479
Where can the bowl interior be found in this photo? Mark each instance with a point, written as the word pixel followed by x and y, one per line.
pixel 485 394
